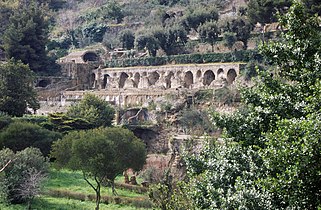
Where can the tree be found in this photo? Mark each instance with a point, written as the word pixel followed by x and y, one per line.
pixel 149 42
pixel 229 39
pixel 22 178
pixel 170 38
pixel 127 38
pixel 277 130
pixel 101 154
pixel 199 15
pixel 113 11
pixel 264 11
pixel 17 94
pixel 26 36
pixel 94 110
pixel 209 33
pixel 19 135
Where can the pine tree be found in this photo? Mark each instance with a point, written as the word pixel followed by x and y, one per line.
pixel 26 36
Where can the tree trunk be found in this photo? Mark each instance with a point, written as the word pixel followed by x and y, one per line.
pixel 97 197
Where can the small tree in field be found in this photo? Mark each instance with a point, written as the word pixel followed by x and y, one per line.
pixel 101 154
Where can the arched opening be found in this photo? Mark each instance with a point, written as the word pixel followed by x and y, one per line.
pixel 136 79
pixel 43 83
pixel 231 75
pixel 209 76
pixel 122 79
pixel 198 74
pixel 144 74
pixel 90 56
pixel 105 81
pixel 220 73
pixel 168 80
pixel 153 77
pixel 188 79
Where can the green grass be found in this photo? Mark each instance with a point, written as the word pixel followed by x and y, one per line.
pixel 50 203
pixel 73 181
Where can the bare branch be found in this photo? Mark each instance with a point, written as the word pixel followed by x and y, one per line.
pixel 5 166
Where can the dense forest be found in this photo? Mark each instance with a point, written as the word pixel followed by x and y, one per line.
pixel 268 155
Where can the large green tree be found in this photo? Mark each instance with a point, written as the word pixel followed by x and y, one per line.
pixel 26 35
pixel 276 130
pixel 101 154
pixel 17 94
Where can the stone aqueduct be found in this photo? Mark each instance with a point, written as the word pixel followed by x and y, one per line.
pixel 136 85
pixel 165 77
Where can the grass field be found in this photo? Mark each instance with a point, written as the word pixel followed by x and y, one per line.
pixel 73 182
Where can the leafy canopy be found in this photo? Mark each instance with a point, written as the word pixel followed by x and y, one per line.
pixel 17 94
pixel 94 110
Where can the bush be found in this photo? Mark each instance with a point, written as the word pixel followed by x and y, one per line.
pixel 238 56
pixel 23 176
pixel 20 135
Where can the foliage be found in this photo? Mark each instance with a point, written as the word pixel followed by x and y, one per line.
pixel 241 56
pixel 94 110
pixel 229 39
pixel 22 177
pixel 20 135
pixel 148 42
pixel 113 11
pixel 95 32
pixel 199 15
pixel 223 176
pixel 296 142
pixel 101 154
pixel 269 157
pixel 62 123
pixel 26 36
pixel 263 11
pixel 16 90
pixel 209 32
pixel 127 38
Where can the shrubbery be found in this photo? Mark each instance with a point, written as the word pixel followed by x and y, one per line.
pixel 237 56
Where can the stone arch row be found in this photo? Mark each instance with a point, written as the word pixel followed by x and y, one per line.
pixel 164 79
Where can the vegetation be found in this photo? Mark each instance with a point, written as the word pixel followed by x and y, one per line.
pixel 17 94
pixel 101 154
pixel 22 178
pixel 94 110
pixel 19 135
pixel 269 158
pixel 26 36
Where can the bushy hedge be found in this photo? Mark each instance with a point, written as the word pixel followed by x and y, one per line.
pixel 237 56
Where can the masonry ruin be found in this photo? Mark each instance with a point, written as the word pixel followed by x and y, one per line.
pixel 134 85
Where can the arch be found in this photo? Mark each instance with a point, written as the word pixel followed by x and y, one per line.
pixel 136 79
pixel 122 79
pixel 144 74
pixel 198 74
pixel 90 56
pixel 43 83
pixel 231 75
pixel 105 81
pixel 153 77
pixel 208 78
pixel 188 79
pixel 168 80
pixel 220 73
